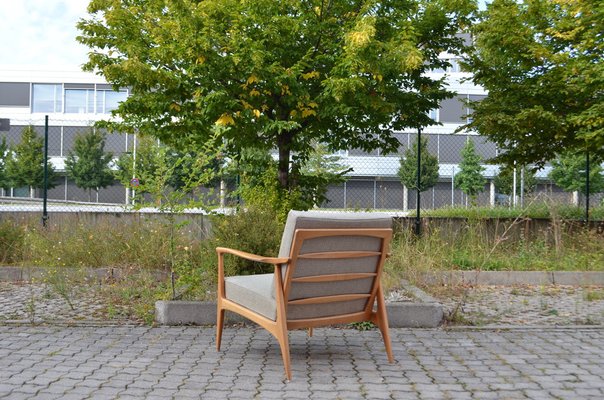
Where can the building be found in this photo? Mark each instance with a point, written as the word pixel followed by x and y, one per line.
pixel 74 100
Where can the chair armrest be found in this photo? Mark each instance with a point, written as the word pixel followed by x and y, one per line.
pixel 252 257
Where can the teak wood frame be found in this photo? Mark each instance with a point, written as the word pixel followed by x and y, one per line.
pixel 281 325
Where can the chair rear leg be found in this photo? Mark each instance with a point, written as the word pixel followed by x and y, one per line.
pixel 284 344
pixel 219 326
pixel 382 322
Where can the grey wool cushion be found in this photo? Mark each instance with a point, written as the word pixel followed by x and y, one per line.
pixel 332 220
pixel 329 220
pixel 254 292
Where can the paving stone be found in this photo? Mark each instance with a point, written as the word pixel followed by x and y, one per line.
pixel 459 363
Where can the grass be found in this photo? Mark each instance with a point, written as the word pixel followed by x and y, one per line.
pixel 533 210
pixel 485 245
pixel 594 294
pixel 138 250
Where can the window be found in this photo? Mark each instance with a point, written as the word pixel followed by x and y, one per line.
pixel 79 101
pixel 108 100
pixel 47 98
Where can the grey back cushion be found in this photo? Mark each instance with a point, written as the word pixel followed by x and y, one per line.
pixel 306 267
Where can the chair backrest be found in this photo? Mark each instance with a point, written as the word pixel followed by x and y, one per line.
pixel 336 261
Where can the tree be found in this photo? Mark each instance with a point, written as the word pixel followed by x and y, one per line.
pixel 25 164
pixel 569 172
pixel 161 171
pixel 321 169
pixel 469 178
pixel 429 167
pixel 88 163
pixel 504 181
pixel 139 164
pixel 274 74
pixel 542 63
pixel 4 182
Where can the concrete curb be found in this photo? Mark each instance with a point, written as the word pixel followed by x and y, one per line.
pixel 427 313
pixel 400 315
pixel 510 278
pixel 27 274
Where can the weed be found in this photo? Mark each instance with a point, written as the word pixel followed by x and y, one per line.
pixel 363 326
pixel 594 294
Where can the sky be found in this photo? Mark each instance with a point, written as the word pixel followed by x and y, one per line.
pixel 42 32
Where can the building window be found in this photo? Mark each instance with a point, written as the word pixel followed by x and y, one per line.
pixel 434 114
pixel 108 100
pixel 79 101
pixel 47 98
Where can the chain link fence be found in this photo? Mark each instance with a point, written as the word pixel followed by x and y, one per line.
pixel 373 182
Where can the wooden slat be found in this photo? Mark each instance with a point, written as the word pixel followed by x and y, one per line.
pixel 334 277
pixel 329 299
pixel 340 254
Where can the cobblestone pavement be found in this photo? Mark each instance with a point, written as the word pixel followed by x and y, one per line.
pixel 528 305
pixel 485 305
pixel 129 362
pixel 43 303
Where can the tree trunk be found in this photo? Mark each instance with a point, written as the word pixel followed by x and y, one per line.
pixel 284 142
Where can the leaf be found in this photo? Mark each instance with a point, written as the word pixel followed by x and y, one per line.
pixel 225 119
pixel 311 75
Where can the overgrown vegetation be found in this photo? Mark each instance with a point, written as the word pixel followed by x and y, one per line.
pixel 496 246
pixel 139 251
pixel 534 210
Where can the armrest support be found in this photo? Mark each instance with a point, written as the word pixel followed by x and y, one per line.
pixel 221 251
pixel 252 257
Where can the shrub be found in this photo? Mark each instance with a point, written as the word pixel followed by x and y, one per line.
pixel 255 230
pixel 11 243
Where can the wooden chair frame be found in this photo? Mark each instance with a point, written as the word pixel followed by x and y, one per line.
pixel 280 327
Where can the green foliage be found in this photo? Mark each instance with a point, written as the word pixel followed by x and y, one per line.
pixel 429 167
pixel 504 181
pixel 254 229
pixel 469 179
pixel 4 181
pixel 320 170
pixel 11 243
pixel 144 245
pixel 274 74
pixel 140 164
pixel 88 163
pixel 256 170
pixel 25 165
pixel 167 176
pixel 487 245
pixel 534 210
pixel 541 63
pixel 569 172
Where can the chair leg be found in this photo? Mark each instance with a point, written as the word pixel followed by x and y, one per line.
pixel 382 322
pixel 219 326
pixel 310 332
pixel 283 340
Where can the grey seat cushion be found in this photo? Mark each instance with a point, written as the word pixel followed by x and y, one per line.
pixel 253 292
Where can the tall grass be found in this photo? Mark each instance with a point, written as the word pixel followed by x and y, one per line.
pixel 485 245
pixel 533 210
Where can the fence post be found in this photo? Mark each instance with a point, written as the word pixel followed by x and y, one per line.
pixel 45 186
pixel 419 165
pixel 587 188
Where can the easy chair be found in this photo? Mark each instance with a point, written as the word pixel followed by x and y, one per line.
pixel 327 272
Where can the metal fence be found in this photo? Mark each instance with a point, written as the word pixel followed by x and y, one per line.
pixel 373 182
